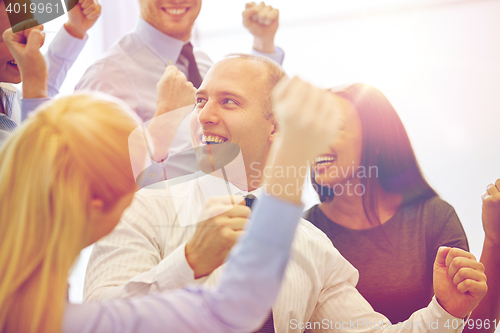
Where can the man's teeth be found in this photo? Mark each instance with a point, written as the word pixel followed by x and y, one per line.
pixel 324 159
pixel 176 11
pixel 213 138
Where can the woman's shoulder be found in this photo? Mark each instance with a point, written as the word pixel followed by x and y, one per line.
pixel 435 213
pixel 432 206
pixel 440 207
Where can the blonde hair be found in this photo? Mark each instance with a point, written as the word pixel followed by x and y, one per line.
pixel 72 150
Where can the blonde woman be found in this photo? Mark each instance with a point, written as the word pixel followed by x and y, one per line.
pixel 65 181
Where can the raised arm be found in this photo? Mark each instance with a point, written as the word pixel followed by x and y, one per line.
pixel 69 42
pixel 42 78
pixel 25 48
pixel 262 22
pixel 486 317
pixel 459 285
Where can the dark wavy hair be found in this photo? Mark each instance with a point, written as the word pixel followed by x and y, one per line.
pixel 386 145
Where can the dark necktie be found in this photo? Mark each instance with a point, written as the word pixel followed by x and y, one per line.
pixel 193 72
pixel 249 199
pixel 268 326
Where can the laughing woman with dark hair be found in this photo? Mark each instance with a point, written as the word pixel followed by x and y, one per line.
pixel 377 207
pixel 383 216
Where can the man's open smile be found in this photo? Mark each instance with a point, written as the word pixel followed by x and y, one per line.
pixel 212 139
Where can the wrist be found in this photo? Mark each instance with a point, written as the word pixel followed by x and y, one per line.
pixel 34 88
pixel 192 261
pixel 73 31
pixel 263 44
pixel 457 315
pixel 290 143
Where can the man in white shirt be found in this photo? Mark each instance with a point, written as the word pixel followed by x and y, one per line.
pixel 150 251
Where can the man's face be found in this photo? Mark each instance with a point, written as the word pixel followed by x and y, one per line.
pixel 9 72
pixel 231 107
pixel 172 17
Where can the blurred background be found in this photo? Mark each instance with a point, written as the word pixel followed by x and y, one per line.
pixel 436 60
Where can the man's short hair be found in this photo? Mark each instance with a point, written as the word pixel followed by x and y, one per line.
pixel 274 72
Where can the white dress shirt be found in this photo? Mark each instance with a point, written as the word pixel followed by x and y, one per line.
pixel 146 254
pixel 240 303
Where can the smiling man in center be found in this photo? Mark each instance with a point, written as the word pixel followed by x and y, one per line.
pixel 232 113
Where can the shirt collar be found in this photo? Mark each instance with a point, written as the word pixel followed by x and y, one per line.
pixel 166 48
pixel 214 186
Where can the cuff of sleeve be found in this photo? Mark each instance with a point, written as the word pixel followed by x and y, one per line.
pixel 174 271
pixel 274 220
pixel 446 322
pixel 277 56
pixel 65 46
pixel 30 104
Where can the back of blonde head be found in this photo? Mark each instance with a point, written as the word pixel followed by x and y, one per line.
pixel 71 151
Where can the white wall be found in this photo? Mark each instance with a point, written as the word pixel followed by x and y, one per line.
pixel 437 61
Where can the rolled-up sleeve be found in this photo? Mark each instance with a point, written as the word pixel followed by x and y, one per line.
pixel 278 55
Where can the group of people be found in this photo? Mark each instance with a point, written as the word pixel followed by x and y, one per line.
pixel 226 249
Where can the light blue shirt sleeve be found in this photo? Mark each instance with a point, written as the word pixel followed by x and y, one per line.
pixel 277 56
pixel 30 104
pixel 241 302
pixel 61 55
